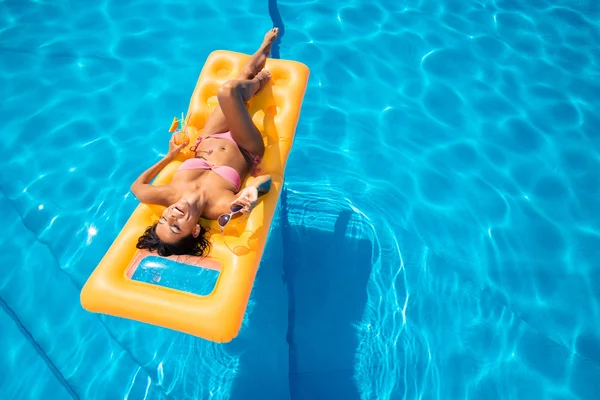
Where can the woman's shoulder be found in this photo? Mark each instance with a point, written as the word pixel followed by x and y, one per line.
pixel 154 194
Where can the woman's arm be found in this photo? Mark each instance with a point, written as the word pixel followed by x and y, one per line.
pixel 248 197
pixel 147 193
pixel 262 183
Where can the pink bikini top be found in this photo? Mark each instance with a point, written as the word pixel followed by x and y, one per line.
pixel 223 171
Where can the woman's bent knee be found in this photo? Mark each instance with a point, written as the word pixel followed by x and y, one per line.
pixel 228 88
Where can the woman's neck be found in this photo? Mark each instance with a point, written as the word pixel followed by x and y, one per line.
pixel 196 198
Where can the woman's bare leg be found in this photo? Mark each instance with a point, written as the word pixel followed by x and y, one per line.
pixel 216 122
pixel 232 97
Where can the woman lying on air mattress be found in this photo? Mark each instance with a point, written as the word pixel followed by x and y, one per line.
pixel 208 185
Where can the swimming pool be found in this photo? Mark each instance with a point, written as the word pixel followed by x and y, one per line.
pixel 438 236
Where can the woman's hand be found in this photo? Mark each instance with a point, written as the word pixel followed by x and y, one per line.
pixel 247 199
pixel 174 149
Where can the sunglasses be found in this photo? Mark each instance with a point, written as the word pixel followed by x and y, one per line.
pixel 224 219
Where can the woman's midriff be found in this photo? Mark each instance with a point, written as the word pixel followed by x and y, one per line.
pixel 223 152
pixel 216 152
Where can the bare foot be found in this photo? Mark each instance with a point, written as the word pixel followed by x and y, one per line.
pixel 262 78
pixel 259 59
pixel 271 35
pixel 267 43
pixel 255 85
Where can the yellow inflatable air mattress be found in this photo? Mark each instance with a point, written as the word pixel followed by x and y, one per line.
pixel 217 316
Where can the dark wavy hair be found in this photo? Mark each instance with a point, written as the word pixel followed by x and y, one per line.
pixel 189 245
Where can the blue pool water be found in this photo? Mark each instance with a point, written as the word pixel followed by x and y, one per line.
pixel 437 238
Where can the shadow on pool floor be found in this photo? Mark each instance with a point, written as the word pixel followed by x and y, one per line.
pixel 327 275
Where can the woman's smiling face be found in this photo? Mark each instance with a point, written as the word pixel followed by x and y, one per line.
pixel 178 221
